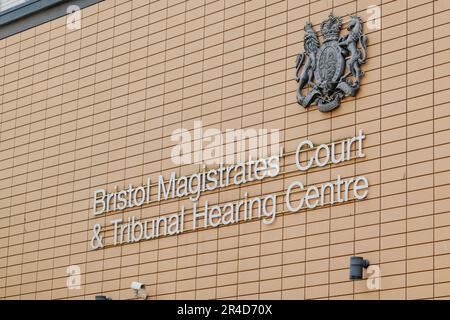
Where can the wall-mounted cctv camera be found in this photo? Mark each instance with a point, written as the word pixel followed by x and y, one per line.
pixel 139 290
pixel 137 285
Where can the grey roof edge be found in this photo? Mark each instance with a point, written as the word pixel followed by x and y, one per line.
pixel 17 7
pixel 21 18
pixel 25 9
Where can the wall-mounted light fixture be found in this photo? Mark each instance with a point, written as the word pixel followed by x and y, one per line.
pixel 357 264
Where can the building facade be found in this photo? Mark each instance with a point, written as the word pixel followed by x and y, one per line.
pixel 90 100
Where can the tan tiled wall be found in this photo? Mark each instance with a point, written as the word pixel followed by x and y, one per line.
pixel 95 108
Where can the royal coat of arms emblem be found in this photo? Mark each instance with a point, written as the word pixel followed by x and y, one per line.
pixel 333 70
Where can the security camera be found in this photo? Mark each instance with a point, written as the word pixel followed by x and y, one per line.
pixel 137 285
pixel 139 290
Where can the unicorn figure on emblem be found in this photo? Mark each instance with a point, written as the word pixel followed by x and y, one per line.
pixel 358 56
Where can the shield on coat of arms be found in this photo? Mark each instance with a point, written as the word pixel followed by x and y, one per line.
pixel 330 65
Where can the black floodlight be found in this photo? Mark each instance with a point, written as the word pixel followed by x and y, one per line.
pixel 356 267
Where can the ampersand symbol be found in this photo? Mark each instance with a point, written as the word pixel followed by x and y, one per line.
pixel 97 240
